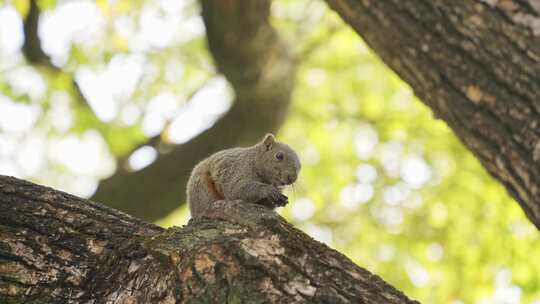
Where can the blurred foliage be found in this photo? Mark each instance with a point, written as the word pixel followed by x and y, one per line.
pixel 134 53
pixel 382 182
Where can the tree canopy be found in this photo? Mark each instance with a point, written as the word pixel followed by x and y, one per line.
pixel 111 86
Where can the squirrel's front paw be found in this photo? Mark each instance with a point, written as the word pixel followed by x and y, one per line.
pixel 282 201
pixel 278 198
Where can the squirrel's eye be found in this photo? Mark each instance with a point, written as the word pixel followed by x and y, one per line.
pixel 280 156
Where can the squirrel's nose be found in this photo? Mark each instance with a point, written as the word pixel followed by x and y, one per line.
pixel 291 178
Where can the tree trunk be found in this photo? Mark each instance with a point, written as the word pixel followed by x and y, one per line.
pixel 248 51
pixel 57 248
pixel 476 64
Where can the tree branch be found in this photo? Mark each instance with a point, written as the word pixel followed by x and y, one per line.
pixel 248 51
pixel 54 246
pixel 34 54
pixel 477 66
pixel 57 248
pixel 32 44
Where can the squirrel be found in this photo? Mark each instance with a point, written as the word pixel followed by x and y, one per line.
pixel 255 174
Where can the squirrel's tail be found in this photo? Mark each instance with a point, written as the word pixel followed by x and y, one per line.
pixel 200 192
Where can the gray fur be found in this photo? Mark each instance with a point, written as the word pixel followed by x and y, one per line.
pixel 252 174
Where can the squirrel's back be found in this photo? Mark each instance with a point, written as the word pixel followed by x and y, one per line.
pixel 205 184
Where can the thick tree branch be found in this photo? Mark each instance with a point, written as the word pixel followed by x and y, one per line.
pixel 248 51
pixel 477 66
pixel 57 248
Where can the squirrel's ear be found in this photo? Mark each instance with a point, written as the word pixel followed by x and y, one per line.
pixel 268 141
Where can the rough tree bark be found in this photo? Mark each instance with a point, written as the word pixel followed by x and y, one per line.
pixel 57 248
pixel 248 51
pixel 476 64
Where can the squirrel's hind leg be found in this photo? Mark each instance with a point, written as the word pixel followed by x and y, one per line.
pixel 202 190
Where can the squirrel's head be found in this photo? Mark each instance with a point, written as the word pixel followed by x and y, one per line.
pixel 278 163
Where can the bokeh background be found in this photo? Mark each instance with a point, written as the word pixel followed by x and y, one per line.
pixel 383 181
